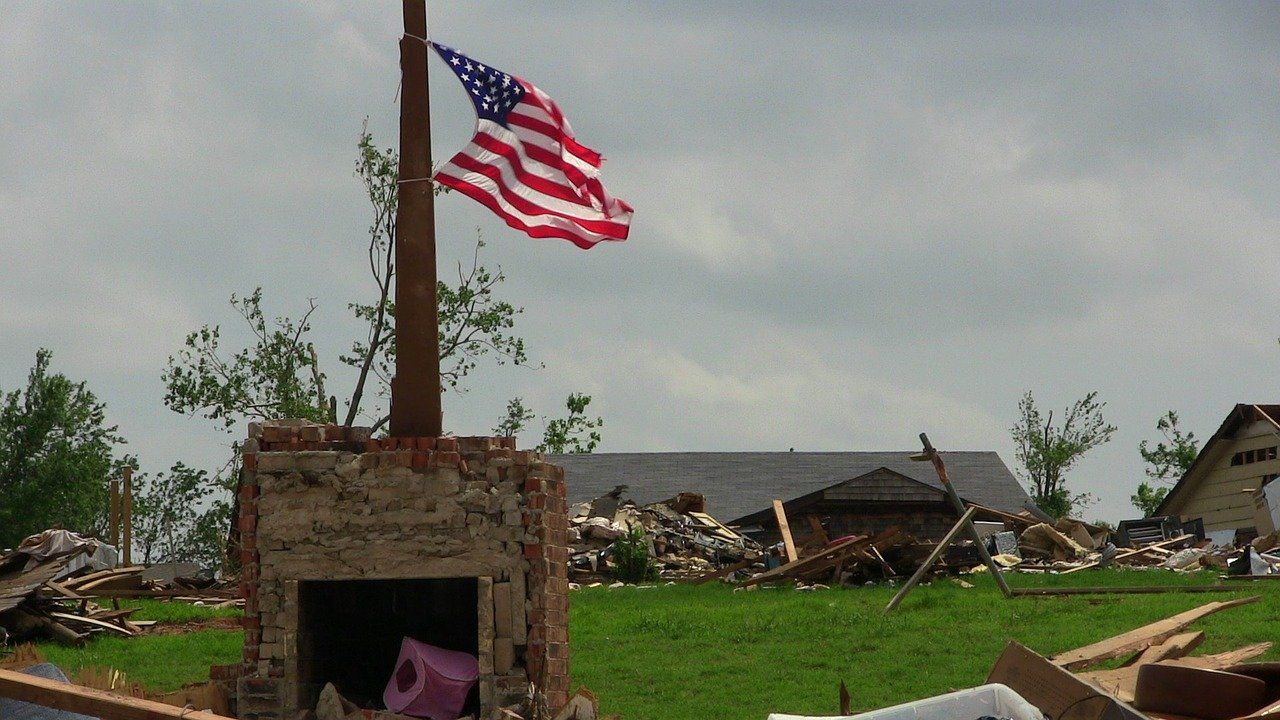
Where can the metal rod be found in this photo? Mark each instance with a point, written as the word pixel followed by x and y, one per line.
pixel 938 549
pixel 941 468
pixel 415 389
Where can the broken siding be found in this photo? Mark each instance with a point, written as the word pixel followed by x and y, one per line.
pixel 1221 495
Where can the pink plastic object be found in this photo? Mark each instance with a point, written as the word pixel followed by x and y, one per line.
pixel 430 682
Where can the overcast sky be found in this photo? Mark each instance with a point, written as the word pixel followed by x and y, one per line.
pixel 852 223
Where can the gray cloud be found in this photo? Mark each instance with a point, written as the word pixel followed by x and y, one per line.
pixel 852 224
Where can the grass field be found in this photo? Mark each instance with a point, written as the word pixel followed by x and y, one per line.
pixel 677 652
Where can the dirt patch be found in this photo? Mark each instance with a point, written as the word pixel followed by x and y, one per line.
pixel 182 628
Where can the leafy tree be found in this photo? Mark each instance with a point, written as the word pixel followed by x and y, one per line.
pixel 1046 452
pixel 173 517
pixel 280 374
pixel 56 456
pixel 1167 462
pixel 572 433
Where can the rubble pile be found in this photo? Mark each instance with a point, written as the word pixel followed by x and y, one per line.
pixel 685 542
pixel 55 585
pixel 1020 543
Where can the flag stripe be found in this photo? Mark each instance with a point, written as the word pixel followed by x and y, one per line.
pixel 465 167
pixel 531 172
pixel 538 228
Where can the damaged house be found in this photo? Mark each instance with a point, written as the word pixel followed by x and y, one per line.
pixel 849 492
pixel 1238 460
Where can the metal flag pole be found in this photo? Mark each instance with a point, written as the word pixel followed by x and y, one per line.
pixel 415 388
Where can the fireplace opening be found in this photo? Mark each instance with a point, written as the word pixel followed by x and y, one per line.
pixel 349 632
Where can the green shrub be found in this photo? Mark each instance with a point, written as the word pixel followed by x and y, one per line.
pixel 631 561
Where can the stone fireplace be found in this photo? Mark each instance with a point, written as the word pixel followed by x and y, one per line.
pixel 349 544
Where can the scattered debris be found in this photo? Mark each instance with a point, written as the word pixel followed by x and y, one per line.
pixel 53 586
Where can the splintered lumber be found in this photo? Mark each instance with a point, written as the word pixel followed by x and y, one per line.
pixel 89 701
pixel 788 543
pixel 1171 649
pixel 938 549
pixel 1104 590
pixel 1141 638
pixel 817 561
pixel 1153 547
pixel 1121 682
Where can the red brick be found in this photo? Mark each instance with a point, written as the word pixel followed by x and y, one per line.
pixel 250 461
pixel 533 551
pixel 536 501
pixel 447 458
pixel 447 444
pixel 421 460
pixel 426 443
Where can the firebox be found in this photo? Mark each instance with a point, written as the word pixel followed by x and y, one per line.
pixel 349 545
pixel 349 632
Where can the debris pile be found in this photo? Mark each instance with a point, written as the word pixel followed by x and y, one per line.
pixel 685 542
pixel 52 585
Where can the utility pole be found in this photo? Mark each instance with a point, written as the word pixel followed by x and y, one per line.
pixel 415 388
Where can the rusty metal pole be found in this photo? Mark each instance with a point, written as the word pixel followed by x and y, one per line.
pixel 415 389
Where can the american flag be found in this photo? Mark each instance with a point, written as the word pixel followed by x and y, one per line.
pixel 524 164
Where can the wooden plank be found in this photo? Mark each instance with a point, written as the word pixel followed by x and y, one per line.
pixel 1143 590
pixel 101 624
pixel 1175 647
pixel 721 572
pixel 79 582
pixel 938 549
pixel 815 561
pixel 788 544
pixel 1122 681
pixel 97 703
pixel 1143 637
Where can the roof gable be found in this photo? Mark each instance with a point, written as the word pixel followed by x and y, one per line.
pixel 1242 414
pixel 738 484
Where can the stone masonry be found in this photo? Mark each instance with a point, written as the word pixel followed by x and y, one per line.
pixel 325 502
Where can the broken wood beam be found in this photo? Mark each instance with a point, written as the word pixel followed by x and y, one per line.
pixel 1104 590
pixel 1141 638
pixel 89 701
pixel 938 549
pixel 788 544
pixel 816 561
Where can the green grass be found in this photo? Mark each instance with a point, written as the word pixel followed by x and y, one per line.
pixel 174 611
pixel 157 662
pixel 676 652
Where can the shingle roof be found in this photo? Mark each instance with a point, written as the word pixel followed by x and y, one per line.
pixel 738 484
